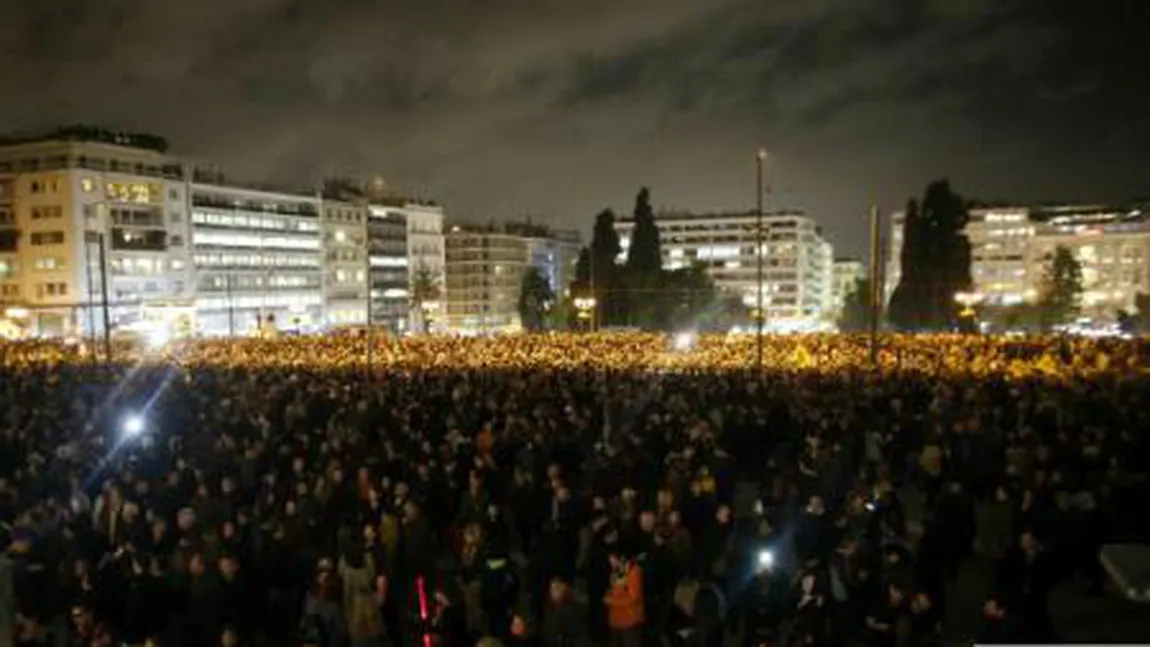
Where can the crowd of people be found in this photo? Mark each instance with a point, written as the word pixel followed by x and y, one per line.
pixel 559 490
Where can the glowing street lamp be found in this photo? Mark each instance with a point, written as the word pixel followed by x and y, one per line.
pixel 585 308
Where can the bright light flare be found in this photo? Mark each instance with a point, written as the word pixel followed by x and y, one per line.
pixel 766 559
pixel 684 341
pixel 158 337
pixel 133 425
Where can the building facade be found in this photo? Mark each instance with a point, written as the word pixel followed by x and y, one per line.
pixel 1000 240
pixel 84 215
pixel 484 274
pixel 797 288
pixel 258 259
pixel 345 262
pixel 1011 246
pixel 427 265
pixel 388 277
pixel 554 257
pixel 1111 244
pixel 847 273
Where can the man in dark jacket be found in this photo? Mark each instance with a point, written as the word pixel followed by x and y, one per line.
pixel 1026 579
pixel 564 620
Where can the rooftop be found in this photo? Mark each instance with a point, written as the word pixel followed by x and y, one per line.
pixel 720 215
pixel 92 134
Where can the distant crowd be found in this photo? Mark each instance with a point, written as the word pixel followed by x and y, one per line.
pixel 560 490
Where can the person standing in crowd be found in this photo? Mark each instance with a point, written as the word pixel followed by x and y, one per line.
pixel 624 601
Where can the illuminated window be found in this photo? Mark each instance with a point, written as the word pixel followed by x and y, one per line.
pixel 49 263
pixel 134 192
pixel 87 185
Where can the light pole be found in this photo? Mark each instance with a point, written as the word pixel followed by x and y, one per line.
pixel 876 291
pixel 102 258
pixel 367 312
pixel 760 158
pixel 585 307
pixel 231 305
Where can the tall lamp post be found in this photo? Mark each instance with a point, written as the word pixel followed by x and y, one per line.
pixel 760 159
pixel 367 312
pixel 102 258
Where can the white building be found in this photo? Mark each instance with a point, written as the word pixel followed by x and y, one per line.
pixel 1010 248
pixel 70 195
pixel 427 262
pixel 344 226
pixel 485 270
pixel 258 258
pixel 797 260
pixel 1000 238
pixel 847 273
pixel 186 247
pixel 1112 245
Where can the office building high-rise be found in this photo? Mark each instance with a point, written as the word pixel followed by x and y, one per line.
pixel 797 261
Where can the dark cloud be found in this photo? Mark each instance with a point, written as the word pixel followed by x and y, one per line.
pixel 559 107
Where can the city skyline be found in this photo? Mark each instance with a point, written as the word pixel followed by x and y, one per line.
pixel 566 108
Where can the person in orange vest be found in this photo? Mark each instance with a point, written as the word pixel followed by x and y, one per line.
pixel 624 601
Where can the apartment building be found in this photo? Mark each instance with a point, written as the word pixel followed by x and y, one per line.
pixel 1011 244
pixel 1000 240
pixel 258 259
pixel 426 261
pixel 74 199
pixel 486 266
pixel 485 271
pixel 797 287
pixel 388 277
pixel 345 262
pixel 1111 243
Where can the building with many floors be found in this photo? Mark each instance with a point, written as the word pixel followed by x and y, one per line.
pixel 1010 249
pixel 426 261
pixel 74 203
pixel 1011 244
pixel 388 277
pixel 84 213
pixel 258 259
pixel 797 288
pixel 344 228
pixel 485 270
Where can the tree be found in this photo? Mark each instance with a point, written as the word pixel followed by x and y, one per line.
pixel 425 288
pixel 685 296
pixel 582 279
pixel 1058 302
pixel 601 261
pixel 855 316
pixel 1138 321
pixel 644 255
pixel 535 300
pixel 935 261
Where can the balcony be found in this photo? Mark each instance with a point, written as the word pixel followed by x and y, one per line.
pixel 139 241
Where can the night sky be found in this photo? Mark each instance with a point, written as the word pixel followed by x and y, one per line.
pixel 558 108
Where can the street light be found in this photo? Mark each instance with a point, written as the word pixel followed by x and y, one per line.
pixel 760 159
pixel 585 307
